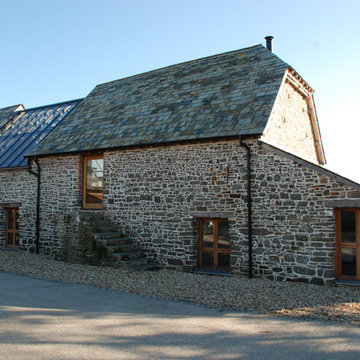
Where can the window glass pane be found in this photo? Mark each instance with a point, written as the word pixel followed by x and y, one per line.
pixel 16 239
pixel 94 180
pixel 10 223
pixel 348 227
pixel 16 219
pixel 208 234
pixel 224 261
pixel 10 239
pixel 224 241
pixel 348 261
pixel 207 260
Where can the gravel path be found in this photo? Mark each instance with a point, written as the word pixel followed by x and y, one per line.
pixel 263 296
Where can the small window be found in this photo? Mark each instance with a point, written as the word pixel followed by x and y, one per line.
pixel 214 244
pixel 348 244
pixel 93 182
pixel 12 228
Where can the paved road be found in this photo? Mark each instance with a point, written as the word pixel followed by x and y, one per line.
pixel 48 320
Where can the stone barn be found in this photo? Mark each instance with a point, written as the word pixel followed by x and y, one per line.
pixel 212 165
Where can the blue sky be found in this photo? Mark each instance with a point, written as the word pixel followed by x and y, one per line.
pixel 57 50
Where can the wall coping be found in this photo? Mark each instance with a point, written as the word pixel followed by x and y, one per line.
pixel 343 203
pixel 212 214
pixel 10 205
pixel 310 165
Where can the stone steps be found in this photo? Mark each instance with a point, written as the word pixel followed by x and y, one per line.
pixel 132 264
pixel 88 217
pixel 118 247
pixel 128 255
pixel 121 241
pixel 112 235
pixel 124 248
pixel 102 228
pixel 142 267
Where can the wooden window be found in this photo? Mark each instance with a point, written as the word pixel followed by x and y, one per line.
pixel 348 244
pixel 93 182
pixel 12 228
pixel 214 244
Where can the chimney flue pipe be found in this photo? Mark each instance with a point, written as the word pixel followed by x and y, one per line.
pixel 269 42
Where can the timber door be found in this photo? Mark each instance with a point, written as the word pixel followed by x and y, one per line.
pixel 348 244
pixel 93 182
pixel 214 244
pixel 12 228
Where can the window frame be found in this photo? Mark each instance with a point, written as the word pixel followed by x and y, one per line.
pixel 12 230
pixel 85 204
pixel 214 250
pixel 348 245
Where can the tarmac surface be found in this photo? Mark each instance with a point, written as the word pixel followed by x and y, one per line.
pixel 41 319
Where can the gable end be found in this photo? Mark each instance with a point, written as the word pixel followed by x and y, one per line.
pixel 293 123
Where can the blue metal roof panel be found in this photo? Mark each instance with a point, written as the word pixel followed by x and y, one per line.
pixel 8 116
pixel 29 129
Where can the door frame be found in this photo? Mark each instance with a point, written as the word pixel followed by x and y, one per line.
pixel 348 245
pixel 11 230
pixel 214 250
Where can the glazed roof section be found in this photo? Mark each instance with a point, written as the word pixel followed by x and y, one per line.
pixel 7 116
pixel 23 129
pixel 225 95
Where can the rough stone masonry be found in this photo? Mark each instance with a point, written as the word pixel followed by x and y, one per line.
pixel 157 196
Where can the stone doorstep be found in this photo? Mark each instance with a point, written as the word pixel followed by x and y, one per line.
pixel 349 283
pixel 213 272
pixel 5 248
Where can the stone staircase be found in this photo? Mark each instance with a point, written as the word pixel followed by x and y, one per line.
pixel 113 248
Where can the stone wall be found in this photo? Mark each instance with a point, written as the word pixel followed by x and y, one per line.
pixel 18 189
pixel 156 195
pixel 294 229
pixel 153 194
pixel 61 189
pixel 290 126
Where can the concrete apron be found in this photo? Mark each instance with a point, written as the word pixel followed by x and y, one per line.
pixel 47 320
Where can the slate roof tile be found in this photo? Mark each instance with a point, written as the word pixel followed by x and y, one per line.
pixel 230 94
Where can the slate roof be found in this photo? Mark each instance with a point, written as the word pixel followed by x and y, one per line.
pixel 23 129
pixel 219 96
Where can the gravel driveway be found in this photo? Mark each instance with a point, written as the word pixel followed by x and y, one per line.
pixel 341 304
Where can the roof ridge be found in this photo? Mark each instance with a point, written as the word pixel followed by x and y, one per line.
pixel 10 106
pixel 181 63
pixel 51 105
